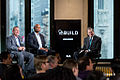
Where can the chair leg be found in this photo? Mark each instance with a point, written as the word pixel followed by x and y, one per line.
pixel 96 63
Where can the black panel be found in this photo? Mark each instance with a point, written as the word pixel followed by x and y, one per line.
pixel 27 18
pixel 91 13
pixel 3 25
pixel 64 30
pixel 52 29
pixel 117 28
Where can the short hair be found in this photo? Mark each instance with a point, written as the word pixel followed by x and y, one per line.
pixel 70 63
pixel 4 55
pixel 39 60
pixel 51 59
pixel 90 28
pixel 13 72
pixel 15 27
pixel 115 65
pixel 96 75
pixel 83 62
pixel 60 73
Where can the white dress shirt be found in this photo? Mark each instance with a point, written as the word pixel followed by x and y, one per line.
pixel 39 40
pixel 17 40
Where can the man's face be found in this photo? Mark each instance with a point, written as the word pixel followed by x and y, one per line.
pixel 16 31
pixel 56 62
pixel 46 65
pixel 75 71
pixel 37 28
pixel 90 33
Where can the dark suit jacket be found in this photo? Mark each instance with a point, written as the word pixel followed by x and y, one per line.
pixel 95 45
pixel 11 43
pixel 3 68
pixel 32 41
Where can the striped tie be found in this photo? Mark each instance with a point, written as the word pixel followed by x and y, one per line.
pixel 90 40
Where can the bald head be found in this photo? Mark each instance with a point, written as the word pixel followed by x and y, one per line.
pixel 37 28
pixel 37 25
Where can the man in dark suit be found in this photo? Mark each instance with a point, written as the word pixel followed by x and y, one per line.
pixel 92 43
pixel 16 47
pixel 37 42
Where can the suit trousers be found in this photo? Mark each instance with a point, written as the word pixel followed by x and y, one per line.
pixel 21 56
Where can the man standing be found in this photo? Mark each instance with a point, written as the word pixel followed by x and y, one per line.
pixel 16 47
pixel 37 42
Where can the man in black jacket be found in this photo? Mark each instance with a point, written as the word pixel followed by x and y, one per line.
pixel 92 43
pixel 6 61
pixel 91 47
pixel 36 41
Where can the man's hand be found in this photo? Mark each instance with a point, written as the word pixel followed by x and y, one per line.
pixel 86 51
pixel 44 49
pixel 21 48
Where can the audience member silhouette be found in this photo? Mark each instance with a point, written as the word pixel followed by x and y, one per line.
pixel 60 73
pixel 53 61
pixel 6 62
pixel 73 65
pixel 115 64
pixel 96 75
pixel 85 67
pixel 41 63
pixel 14 72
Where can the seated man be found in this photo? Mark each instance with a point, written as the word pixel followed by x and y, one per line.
pixel 92 45
pixel 36 41
pixel 41 63
pixel 16 47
